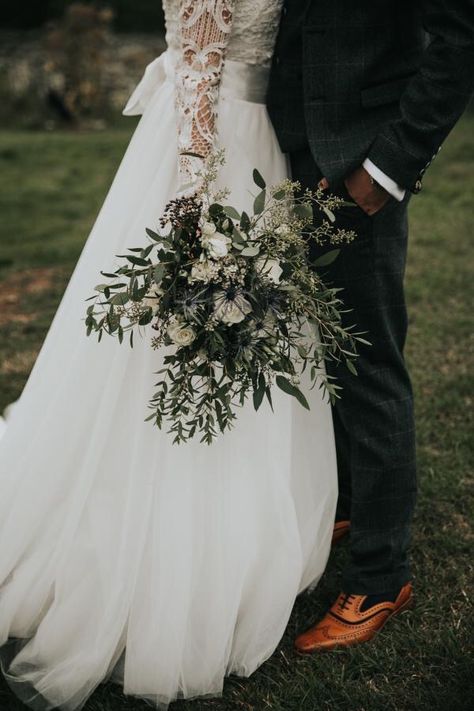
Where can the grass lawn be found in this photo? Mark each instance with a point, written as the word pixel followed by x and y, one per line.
pixel 52 186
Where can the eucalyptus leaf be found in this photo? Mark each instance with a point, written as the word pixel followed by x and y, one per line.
pixel 291 389
pixel 138 261
pixel 350 365
pixel 232 212
pixel 259 203
pixel 268 394
pixel 251 251
pixel 159 272
pixel 258 179
pixel 327 258
pixel 302 352
pixel 215 209
pixel 245 221
pixel 154 235
pixel 146 317
pixel 304 210
pixel 145 252
pixel 259 392
pixel 120 299
pixel 238 236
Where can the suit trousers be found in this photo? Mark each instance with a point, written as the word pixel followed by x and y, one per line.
pixel 373 419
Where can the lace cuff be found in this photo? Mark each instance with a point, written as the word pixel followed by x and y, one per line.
pixel 204 28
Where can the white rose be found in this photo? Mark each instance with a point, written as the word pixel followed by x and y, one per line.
pixel 181 334
pixel 230 311
pixel 217 245
pixel 152 296
pixel 201 271
pixel 270 267
pixel 208 228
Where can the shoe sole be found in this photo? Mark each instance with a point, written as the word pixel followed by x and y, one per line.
pixel 318 650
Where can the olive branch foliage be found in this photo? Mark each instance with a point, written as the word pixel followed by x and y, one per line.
pixel 233 303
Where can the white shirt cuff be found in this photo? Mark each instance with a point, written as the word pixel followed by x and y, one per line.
pixel 390 185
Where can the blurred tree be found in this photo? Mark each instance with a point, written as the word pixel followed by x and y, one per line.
pixel 142 15
pixel 130 15
pixel 75 47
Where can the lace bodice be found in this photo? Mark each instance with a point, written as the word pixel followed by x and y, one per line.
pixel 254 29
pixel 201 35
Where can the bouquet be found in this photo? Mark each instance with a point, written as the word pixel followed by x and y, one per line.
pixel 233 301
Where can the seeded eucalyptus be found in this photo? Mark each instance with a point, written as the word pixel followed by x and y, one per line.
pixel 233 302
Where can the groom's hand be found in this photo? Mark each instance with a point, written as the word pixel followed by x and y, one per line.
pixel 368 194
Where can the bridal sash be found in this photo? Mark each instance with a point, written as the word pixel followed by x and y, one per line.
pixel 244 82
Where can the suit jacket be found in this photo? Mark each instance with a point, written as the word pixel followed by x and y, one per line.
pixel 379 79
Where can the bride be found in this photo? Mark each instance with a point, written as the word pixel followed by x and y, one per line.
pixel 122 556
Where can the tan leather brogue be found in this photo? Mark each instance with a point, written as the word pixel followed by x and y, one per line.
pixel 341 529
pixel 346 624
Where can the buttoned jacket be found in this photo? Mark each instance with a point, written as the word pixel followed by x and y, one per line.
pixel 382 79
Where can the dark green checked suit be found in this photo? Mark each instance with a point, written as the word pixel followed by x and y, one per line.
pixel 384 80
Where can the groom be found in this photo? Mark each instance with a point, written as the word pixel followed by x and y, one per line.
pixel 362 94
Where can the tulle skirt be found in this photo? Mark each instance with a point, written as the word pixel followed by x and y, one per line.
pixel 123 556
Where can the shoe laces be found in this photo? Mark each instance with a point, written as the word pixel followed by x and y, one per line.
pixel 346 598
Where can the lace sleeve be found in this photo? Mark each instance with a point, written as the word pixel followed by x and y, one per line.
pixel 204 29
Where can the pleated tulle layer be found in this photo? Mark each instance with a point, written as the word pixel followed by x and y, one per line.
pixel 122 555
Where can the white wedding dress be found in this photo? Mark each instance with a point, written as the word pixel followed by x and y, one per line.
pixel 123 556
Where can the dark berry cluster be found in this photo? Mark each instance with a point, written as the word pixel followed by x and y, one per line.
pixel 183 212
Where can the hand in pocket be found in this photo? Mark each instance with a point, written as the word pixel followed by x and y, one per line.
pixel 369 195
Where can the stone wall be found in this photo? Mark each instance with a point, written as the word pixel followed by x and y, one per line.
pixel 26 75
